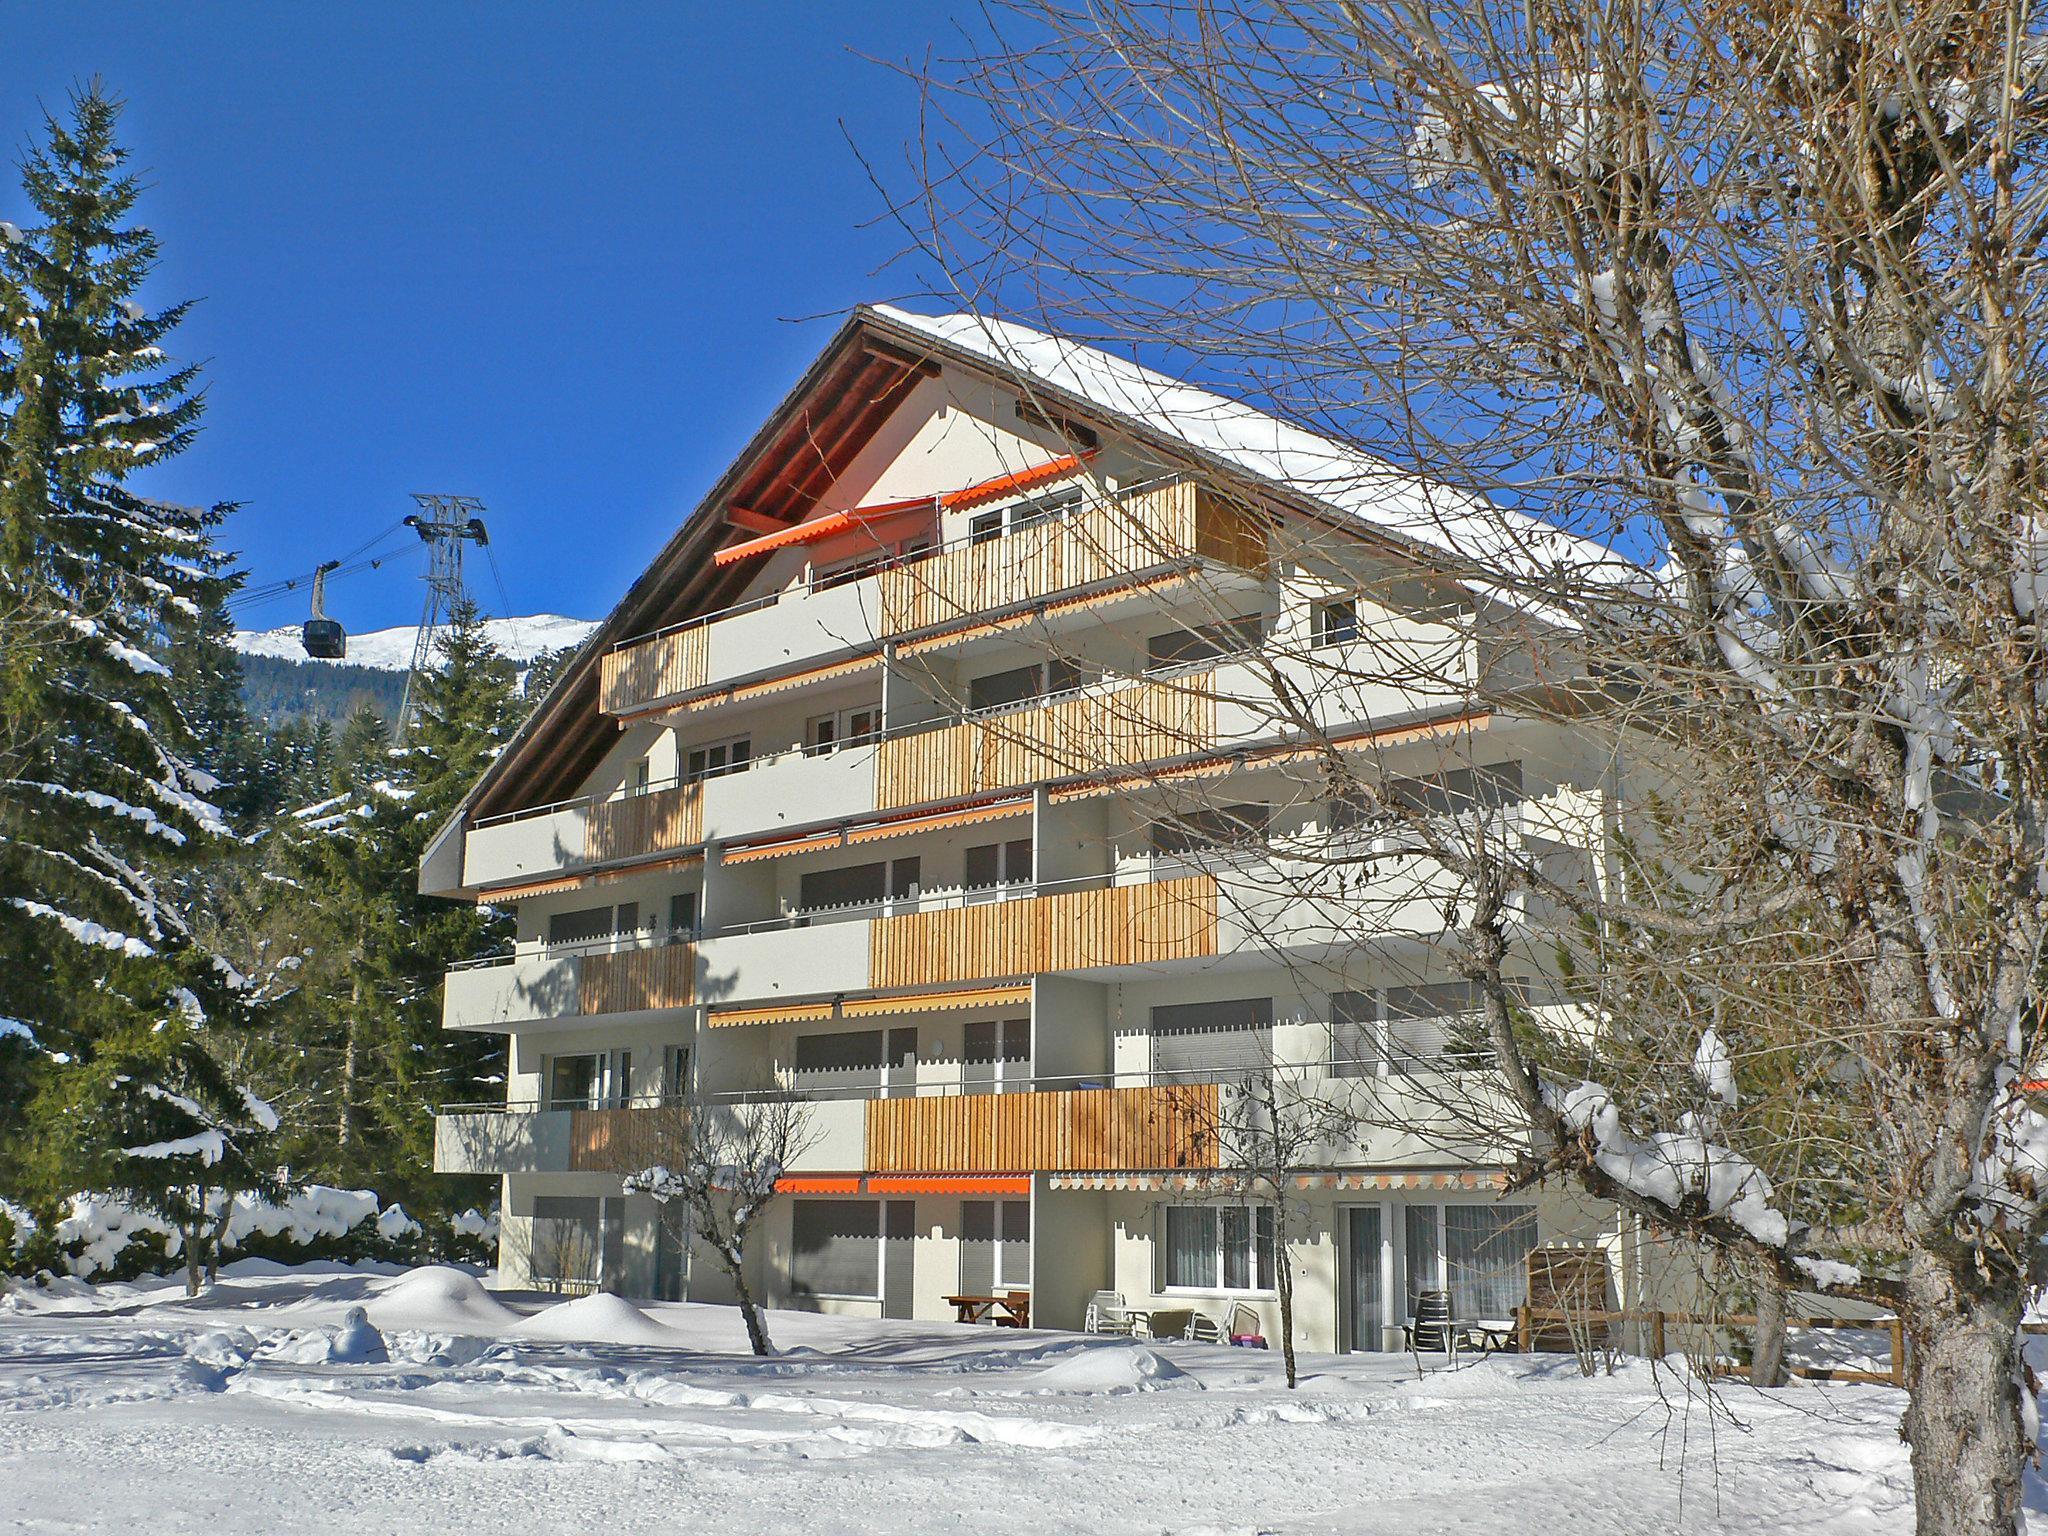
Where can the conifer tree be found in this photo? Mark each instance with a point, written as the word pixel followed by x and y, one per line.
pixel 101 975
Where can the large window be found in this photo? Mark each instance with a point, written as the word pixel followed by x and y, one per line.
pixel 1434 1027
pixel 836 1248
pixel 576 1241
pixel 842 728
pixel 587 924
pixel 1195 1039
pixel 857 885
pixel 1202 642
pixel 998 1053
pixel 717 757
pixel 855 1058
pixel 1490 788
pixel 1022 685
pixel 992 864
pixel 588 1080
pixel 1478 1253
pixel 1024 514
pixel 995 1245
pixel 1219 1247
pixel 1223 826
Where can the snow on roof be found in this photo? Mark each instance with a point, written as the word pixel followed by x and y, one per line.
pixel 1426 512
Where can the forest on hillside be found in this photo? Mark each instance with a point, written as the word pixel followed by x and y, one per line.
pixel 219 987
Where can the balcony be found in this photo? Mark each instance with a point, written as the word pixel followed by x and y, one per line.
pixel 1151 530
pixel 543 842
pixel 1162 1126
pixel 569 983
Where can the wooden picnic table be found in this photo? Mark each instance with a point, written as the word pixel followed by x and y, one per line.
pixel 1008 1311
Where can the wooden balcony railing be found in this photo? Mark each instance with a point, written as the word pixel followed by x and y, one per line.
pixel 628 980
pixel 1075 930
pixel 1125 729
pixel 1086 1130
pixel 620 1140
pixel 655 668
pixel 1107 543
pixel 637 824
pixel 1100 547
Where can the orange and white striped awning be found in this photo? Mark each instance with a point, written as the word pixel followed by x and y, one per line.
pixel 1011 484
pixel 822 528
pixel 1383 1181
pixel 495 893
pixel 773 1013
pixel 931 821
pixel 977 628
pixel 740 693
pixel 937 1002
pixel 949 1184
pixel 798 1184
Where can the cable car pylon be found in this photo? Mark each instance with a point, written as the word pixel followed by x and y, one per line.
pixel 445 525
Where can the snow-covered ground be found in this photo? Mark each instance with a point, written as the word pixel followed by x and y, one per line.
pixel 253 1408
pixel 390 650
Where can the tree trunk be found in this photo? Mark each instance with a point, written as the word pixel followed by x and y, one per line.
pixel 344 1118
pixel 1283 1272
pixel 192 1258
pixel 1767 1362
pixel 757 1335
pixel 220 1235
pixel 1963 1417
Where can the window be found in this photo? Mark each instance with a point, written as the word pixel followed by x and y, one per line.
pixel 572 1241
pixel 998 864
pixel 675 1072
pixel 1479 1253
pixel 1022 685
pixel 1408 1029
pixel 1460 789
pixel 573 1081
pixel 643 772
pixel 860 884
pixel 843 728
pixel 997 1052
pixel 1000 688
pixel 984 526
pixel 682 916
pixel 1203 641
pixel 1219 1248
pixel 717 757
pixel 586 924
pixel 858 1058
pixel 1335 623
pixel 1224 826
pixel 836 1248
pixel 995 1245
pixel 1207 1038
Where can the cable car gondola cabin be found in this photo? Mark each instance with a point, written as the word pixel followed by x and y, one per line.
pixel 323 638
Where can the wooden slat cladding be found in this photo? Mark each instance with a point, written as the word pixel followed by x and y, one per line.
pixel 1123 925
pixel 1082 1130
pixel 1104 544
pixel 1090 734
pixel 637 824
pixel 628 980
pixel 620 1140
pixel 660 667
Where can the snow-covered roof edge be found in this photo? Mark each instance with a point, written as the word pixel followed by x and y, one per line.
pixel 1432 514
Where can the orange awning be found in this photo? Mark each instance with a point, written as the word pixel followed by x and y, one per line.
pixel 933 1002
pixel 939 819
pixel 950 1184
pixel 774 1013
pixel 743 691
pixel 747 855
pixel 820 528
pixel 817 1186
pixel 1005 485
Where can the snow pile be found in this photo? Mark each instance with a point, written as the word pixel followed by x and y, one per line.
pixel 306 1216
pixel 358 1342
pixel 440 1299
pixel 1671 1166
pixel 599 1318
pixel 1111 1371
pixel 390 650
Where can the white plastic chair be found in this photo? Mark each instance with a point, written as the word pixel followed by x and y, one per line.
pixel 1107 1314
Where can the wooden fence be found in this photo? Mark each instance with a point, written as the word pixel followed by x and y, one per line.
pixel 1532 1323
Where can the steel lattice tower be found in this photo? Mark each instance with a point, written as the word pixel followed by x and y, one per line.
pixel 445 525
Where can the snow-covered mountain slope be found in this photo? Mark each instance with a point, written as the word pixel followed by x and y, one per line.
pixel 390 650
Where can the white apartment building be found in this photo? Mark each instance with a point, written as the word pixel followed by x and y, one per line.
pixel 871 791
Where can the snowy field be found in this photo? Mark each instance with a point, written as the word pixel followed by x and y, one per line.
pixel 126 1407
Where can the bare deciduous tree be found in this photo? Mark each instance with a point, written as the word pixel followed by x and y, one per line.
pixel 721 1161
pixel 1724 321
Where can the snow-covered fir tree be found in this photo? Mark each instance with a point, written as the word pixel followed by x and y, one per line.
pixel 101 804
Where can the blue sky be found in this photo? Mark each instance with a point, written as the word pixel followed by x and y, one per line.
pixel 541 254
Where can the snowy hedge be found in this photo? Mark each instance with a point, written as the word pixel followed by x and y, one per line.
pixel 98 1236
